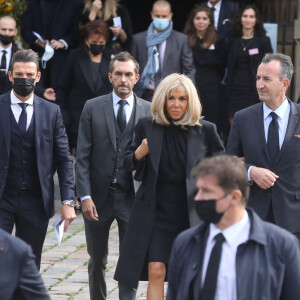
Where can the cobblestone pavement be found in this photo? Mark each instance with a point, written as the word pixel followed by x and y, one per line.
pixel 64 269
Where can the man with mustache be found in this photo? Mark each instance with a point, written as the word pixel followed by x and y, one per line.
pixel 104 186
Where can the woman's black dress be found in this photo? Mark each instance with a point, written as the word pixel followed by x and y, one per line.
pixel 171 213
pixel 242 94
pixel 209 74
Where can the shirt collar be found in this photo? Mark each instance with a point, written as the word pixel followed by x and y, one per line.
pixel 15 100
pixel 280 111
pixel 116 99
pixel 217 6
pixel 8 49
pixel 234 232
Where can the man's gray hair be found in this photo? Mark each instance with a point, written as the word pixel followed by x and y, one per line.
pixel 286 65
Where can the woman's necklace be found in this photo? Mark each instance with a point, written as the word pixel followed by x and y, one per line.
pixel 246 46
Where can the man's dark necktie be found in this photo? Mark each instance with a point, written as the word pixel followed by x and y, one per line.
pixel 121 117
pixel 211 277
pixel 213 10
pixel 273 137
pixel 23 118
pixel 3 64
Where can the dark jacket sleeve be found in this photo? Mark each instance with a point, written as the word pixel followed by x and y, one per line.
pixel 31 286
pixel 63 159
pixel 213 140
pixel 129 162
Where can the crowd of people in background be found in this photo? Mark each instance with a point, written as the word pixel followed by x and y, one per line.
pixel 155 102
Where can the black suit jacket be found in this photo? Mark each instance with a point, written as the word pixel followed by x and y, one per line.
pixel 63 26
pixel 77 85
pixel 52 150
pixel 202 141
pixel 19 276
pixel 5 85
pixel 247 139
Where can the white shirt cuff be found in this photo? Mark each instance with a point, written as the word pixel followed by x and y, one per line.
pixel 65 43
pixel 249 177
pixel 85 197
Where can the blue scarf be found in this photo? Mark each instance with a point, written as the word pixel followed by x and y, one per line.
pixel 153 39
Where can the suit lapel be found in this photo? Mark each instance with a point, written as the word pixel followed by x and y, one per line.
pixel 221 15
pixel 38 111
pixel 292 123
pixel 260 130
pixel 195 141
pixel 139 112
pixel 5 113
pixel 155 135
pixel 110 119
pixel 169 48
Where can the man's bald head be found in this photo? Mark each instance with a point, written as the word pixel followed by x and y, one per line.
pixel 162 3
pixel 8 30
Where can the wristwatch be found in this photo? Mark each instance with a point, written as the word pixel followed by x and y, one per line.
pixel 69 202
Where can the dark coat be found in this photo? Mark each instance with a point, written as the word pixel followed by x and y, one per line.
pixel 5 85
pixel 262 43
pixel 77 85
pixel 51 145
pixel 202 141
pixel 267 265
pixel 247 139
pixel 20 278
pixel 65 26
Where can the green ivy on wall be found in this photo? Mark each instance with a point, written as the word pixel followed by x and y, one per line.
pixel 13 8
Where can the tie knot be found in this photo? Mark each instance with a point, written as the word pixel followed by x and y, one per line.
pixel 4 52
pixel 219 238
pixel 274 115
pixel 212 9
pixel 122 102
pixel 23 105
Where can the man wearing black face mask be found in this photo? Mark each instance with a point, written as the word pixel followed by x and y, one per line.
pixel 33 144
pixel 8 31
pixel 233 254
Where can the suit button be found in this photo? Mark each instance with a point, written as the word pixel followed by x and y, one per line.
pixel 117 170
pixel 5 168
pixel 119 150
pixel 118 160
pixel 24 162
pixel 194 266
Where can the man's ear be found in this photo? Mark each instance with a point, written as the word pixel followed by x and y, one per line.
pixel 38 77
pixel 109 77
pixel 137 78
pixel 10 77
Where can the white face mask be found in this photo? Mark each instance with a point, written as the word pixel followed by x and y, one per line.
pixel 49 52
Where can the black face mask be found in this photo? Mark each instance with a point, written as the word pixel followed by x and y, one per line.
pixel 6 40
pixel 206 210
pixel 96 49
pixel 23 86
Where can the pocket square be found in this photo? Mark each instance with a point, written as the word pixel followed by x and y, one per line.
pixel 297 136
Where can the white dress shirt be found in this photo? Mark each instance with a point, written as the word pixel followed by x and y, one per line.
pixel 8 55
pixel 216 12
pixel 234 235
pixel 17 109
pixel 283 113
pixel 128 111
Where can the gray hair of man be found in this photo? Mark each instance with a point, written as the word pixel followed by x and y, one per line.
pixel 286 64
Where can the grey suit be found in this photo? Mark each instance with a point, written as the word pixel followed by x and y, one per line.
pixel 100 152
pixel 247 139
pixel 178 56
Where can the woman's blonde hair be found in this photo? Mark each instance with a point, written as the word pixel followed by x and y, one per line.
pixel 166 86
pixel 109 8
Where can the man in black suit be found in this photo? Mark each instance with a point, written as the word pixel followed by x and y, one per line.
pixel 19 276
pixel 33 144
pixel 56 21
pixel 105 187
pixel 233 254
pixel 161 51
pixel 8 30
pixel 224 11
pixel 267 135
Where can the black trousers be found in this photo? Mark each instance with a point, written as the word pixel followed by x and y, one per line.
pixel 97 233
pixel 25 210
